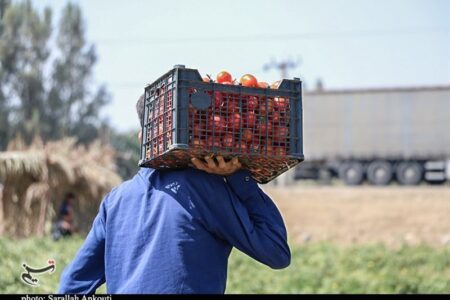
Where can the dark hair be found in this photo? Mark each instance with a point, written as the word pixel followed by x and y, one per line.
pixel 69 195
pixel 140 109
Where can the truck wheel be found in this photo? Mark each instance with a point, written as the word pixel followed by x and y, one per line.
pixel 325 176
pixel 352 173
pixel 409 173
pixel 379 172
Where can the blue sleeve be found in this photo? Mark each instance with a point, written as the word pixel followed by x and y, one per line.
pixel 87 271
pixel 249 220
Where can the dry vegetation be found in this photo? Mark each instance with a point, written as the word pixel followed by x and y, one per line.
pixel 390 215
pixel 36 177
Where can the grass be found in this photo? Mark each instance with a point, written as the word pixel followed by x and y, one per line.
pixel 315 268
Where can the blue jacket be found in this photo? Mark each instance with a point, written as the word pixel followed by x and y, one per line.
pixel 172 232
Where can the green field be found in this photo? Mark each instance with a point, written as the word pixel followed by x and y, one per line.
pixel 315 268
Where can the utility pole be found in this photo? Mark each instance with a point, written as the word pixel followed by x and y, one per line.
pixel 283 66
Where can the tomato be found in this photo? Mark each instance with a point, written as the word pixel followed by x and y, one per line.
pixel 279 151
pixel 275 85
pixel 198 143
pixel 192 110
pixel 264 128
pixel 248 80
pixel 218 123
pixel 250 119
pixel 228 141
pixel 280 133
pixel 158 129
pixel 234 121
pixel 267 150
pixel 242 148
pixel 218 99
pixel 197 130
pixel 247 135
pixel 224 76
pixel 275 118
pixel 254 147
pixel 280 103
pixel 232 106
pixel 266 106
pixel 252 103
pixel 214 141
pixel 227 82
pixel 263 84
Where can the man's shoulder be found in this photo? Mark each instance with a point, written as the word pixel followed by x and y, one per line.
pixel 131 187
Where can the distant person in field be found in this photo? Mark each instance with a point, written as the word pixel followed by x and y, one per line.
pixel 172 231
pixel 64 223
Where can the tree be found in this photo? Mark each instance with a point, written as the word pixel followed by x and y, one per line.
pixel 23 55
pixel 42 94
pixel 128 150
pixel 72 108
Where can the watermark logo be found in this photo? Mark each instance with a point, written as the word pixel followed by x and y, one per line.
pixel 27 276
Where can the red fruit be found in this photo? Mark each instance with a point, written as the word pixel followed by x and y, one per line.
pixel 192 110
pixel 280 133
pixel 248 80
pixel 276 84
pixel 198 143
pixel 252 103
pixel 196 129
pixel 275 118
pixel 279 151
pixel 224 76
pixel 264 129
pixel 242 148
pixel 254 147
pixel 218 99
pixel 214 141
pixel 267 150
pixel 250 119
pixel 217 123
pixel 232 106
pixel 280 103
pixel 228 141
pixel 247 135
pixel 263 84
pixel 234 121
pixel 207 79
pixel 266 106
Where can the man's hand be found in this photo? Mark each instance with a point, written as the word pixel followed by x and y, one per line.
pixel 220 168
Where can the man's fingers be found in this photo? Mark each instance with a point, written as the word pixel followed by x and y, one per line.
pixel 210 162
pixel 235 162
pixel 221 162
pixel 198 164
pixel 219 168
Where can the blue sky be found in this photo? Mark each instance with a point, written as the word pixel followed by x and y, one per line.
pixel 347 43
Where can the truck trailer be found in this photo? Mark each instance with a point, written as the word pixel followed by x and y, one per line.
pixel 377 135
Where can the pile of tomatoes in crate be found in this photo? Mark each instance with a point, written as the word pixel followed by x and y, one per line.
pixel 241 123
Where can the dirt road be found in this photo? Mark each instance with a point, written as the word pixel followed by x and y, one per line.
pixel 346 215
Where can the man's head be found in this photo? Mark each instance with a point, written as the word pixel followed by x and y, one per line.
pixel 140 112
pixel 140 109
pixel 69 197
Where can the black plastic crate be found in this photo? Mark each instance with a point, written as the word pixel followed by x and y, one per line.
pixel 185 116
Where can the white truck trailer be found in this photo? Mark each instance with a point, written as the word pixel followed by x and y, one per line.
pixel 378 135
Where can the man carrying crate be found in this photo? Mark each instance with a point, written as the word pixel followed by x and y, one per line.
pixel 172 231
